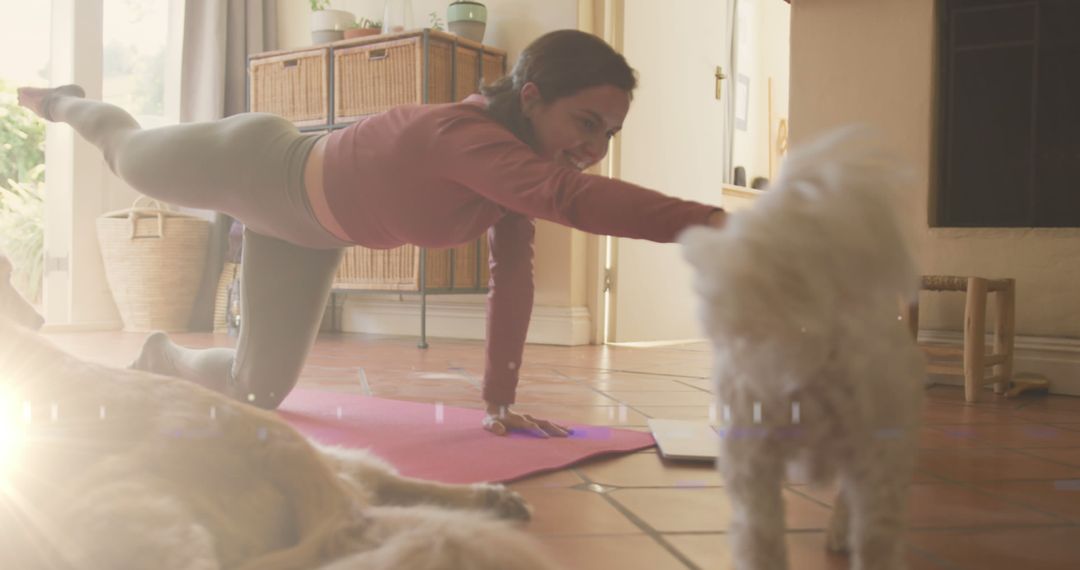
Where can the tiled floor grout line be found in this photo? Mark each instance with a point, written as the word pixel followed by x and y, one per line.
pixel 971 486
pixel 990 528
pixel 1025 451
pixel 930 556
pixel 1019 503
pixel 467 376
pixel 1008 424
pixel 680 381
pixel 788 487
pixel 637 521
pixel 622 371
pixel 1065 522
pixel 944 479
pixel 939 562
pixel 601 392
pixel 934 559
pixel 986 444
pixel 728 532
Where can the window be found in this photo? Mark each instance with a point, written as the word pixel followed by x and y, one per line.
pixel 24 60
pixel 134 57
pixel 1009 120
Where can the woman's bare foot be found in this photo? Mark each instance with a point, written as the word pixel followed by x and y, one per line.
pixel 38 99
pixel 156 355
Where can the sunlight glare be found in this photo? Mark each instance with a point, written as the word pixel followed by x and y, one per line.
pixel 13 422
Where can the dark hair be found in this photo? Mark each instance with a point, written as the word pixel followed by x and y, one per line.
pixel 560 63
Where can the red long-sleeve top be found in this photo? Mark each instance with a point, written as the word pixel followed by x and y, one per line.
pixel 442 175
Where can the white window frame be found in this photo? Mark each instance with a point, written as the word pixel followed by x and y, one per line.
pixel 76 295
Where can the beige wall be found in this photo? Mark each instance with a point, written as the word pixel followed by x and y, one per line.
pixel 512 24
pixel 763 53
pixel 873 62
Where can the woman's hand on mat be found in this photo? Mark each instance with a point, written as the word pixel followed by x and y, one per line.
pixel 501 421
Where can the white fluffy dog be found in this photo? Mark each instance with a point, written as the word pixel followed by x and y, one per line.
pixel 109 469
pixel 813 370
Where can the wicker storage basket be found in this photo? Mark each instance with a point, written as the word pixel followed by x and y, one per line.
pixel 294 85
pixel 398 269
pixel 372 75
pixel 153 263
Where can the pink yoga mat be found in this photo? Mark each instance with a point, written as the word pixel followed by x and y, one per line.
pixel 443 443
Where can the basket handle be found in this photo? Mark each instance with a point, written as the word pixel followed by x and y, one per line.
pixel 151 202
pixel 133 216
pixel 377 54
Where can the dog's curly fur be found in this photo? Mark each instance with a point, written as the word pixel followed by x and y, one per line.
pixel 799 295
pixel 123 469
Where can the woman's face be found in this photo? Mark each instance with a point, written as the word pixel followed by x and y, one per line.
pixel 575 130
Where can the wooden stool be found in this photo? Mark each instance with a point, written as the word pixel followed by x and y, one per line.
pixel 975 357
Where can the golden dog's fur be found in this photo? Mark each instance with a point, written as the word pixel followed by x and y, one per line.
pixel 125 469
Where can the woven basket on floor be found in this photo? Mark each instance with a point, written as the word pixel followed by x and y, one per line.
pixel 153 263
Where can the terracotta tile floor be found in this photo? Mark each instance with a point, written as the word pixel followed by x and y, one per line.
pixel 998 482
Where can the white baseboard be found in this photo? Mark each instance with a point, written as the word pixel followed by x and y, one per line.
pixel 457 316
pixel 1055 358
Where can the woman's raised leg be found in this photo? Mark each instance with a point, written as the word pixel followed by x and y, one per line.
pixel 250 166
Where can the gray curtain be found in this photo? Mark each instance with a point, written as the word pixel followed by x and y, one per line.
pixel 219 35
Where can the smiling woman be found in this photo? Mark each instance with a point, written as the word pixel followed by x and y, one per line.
pixel 430 175
pixel 566 87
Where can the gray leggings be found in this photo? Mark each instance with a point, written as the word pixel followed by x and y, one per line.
pixel 251 167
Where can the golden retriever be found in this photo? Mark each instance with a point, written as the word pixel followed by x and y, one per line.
pixel 112 469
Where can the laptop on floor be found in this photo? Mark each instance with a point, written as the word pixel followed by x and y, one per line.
pixel 692 440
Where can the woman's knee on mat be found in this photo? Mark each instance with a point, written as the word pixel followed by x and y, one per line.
pixel 268 392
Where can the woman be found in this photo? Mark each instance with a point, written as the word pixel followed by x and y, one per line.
pixel 428 175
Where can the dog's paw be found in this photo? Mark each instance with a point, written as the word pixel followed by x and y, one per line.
pixel 504 503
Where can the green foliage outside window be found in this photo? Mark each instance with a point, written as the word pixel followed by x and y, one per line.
pixel 22 191
pixel 22 140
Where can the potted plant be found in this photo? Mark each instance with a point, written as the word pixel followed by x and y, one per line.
pixel 328 25
pixel 363 27
pixel 468 19
pixel 436 21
